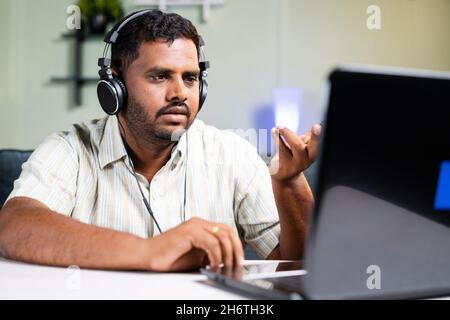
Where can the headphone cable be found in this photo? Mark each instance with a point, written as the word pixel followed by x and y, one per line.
pixel 133 171
pixel 185 176
pixel 144 199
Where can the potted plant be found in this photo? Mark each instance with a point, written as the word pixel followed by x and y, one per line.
pixel 98 13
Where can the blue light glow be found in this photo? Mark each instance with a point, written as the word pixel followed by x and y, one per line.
pixel 287 103
pixel 442 198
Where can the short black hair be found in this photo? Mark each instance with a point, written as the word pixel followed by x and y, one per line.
pixel 151 26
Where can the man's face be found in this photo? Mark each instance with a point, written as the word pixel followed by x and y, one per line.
pixel 163 89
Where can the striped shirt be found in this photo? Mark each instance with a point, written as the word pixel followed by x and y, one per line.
pixel 85 173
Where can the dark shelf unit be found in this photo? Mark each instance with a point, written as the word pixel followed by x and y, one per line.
pixel 77 79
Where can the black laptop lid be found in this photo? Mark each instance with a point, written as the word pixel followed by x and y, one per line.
pixel 382 216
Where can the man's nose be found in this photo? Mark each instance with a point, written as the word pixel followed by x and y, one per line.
pixel 177 90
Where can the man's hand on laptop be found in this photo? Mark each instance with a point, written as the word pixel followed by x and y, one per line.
pixel 193 244
pixel 295 153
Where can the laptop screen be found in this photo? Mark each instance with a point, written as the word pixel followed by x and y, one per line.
pixel 382 215
pixel 390 138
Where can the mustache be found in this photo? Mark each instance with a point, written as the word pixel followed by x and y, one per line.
pixel 175 104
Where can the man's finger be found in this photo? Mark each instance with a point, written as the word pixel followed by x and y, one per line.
pixel 313 144
pixel 211 245
pixel 237 248
pixel 284 147
pixel 274 135
pixel 226 245
pixel 280 149
pixel 296 143
pixel 306 138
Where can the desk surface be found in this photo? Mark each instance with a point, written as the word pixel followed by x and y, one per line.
pixel 26 281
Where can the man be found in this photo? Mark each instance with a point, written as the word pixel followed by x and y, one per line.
pixel 79 199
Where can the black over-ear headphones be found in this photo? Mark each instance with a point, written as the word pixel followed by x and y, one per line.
pixel 111 91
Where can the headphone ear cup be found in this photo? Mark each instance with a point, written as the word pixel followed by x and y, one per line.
pixel 112 95
pixel 107 96
pixel 203 93
pixel 122 94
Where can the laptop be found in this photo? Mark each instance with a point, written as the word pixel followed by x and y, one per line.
pixel 381 223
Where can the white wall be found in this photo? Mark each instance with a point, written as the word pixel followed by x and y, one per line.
pixel 7 114
pixel 414 33
pixel 253 45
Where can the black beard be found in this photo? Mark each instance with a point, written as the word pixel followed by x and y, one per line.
pixel 146 129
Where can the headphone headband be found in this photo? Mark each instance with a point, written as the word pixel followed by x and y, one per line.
pixel 113 34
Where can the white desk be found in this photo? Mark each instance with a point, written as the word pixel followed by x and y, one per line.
pixel 26 281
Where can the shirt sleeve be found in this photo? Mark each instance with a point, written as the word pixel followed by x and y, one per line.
pixel 50 175
pixel 255 208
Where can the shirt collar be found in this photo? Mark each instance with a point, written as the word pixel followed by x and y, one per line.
pixel 111 147
pixel 178 151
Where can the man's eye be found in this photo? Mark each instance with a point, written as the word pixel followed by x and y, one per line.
pixel 158 77
pixel 191 79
